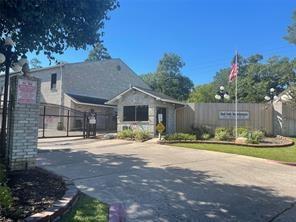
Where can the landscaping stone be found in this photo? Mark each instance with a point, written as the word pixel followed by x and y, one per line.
pixel 109 136
pixel 241 140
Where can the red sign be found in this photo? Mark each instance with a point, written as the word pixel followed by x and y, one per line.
pixel 26 91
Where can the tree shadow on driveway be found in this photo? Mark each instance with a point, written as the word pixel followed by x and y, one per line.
pixel 164 193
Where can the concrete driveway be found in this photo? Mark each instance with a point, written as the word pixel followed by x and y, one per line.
pixel 163 183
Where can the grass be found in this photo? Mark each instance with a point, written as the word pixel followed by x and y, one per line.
pixel 87 209
pixel 284 154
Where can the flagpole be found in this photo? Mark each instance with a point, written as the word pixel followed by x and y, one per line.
pixel 236 96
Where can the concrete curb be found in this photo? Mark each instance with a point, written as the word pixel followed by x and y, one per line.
pixel 288 142
pixel 60 207
pixel 116 213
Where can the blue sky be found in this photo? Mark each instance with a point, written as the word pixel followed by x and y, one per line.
pixel 205 33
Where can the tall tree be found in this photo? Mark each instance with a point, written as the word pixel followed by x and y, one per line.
pixel 203 94
pixel 98 53
pixel 254 80
pixel 35 63
pixel 52 26
pixel 291 35
pixel 168 78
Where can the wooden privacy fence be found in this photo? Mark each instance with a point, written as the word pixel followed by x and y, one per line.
pixel 212 115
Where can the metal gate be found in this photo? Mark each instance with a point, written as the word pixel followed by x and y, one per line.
pixel 60 121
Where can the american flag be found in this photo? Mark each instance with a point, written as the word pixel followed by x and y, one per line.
pixel 234 70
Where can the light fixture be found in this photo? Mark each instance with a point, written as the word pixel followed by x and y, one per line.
pixel 222 88
pixel 272 90
pixel 218 97
pixel 226 96
pixel 2 58
pixel 267 98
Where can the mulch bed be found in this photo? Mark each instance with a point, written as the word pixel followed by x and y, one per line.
pixel 267 142
pixel 33 191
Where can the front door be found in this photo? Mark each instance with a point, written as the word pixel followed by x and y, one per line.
pixel 161 113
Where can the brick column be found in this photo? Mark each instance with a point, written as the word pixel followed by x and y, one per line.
pixel 23 120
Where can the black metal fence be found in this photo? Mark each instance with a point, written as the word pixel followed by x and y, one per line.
pixel 60 121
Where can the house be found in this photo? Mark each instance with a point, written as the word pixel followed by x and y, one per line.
pixel 86 85
pixel 143 108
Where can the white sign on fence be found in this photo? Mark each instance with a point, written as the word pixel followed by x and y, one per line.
pixel 26 91
pixel 231 115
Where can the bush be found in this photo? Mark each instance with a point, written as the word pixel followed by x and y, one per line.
pixel 200 130
pixel 179 136
pixel 5 193
pixel 222 134
pixel 140 135
pixel 5 197
pixel 255 137
pixel 126 134
pixel 242 132
pixel 206 136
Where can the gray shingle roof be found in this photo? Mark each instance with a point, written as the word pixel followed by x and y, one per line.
pixel 156 95
pixel 87 99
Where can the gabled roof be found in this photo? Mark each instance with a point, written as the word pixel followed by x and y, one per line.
pixel 156 95
pixel 86 100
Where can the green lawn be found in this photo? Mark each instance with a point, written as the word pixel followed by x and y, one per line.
pixel 285 154
pixel 87 209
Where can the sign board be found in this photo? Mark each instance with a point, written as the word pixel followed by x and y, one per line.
pixel 231 115
pixel 26 91
pixel 160 117
pixel 92 120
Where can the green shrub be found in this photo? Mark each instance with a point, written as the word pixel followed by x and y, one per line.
pixel 222 134
pixel 206 136
pixel 179 136
pixel 5 197
pixel 242 132
pixel 141 135
pixel 126 134
pixel 255 137
pixel 5 193
pixel 200 130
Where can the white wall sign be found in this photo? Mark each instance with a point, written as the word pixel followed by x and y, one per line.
pixel 231 115
pixel 26 91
